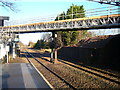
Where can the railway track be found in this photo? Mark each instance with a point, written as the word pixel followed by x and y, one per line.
pixel 47 68
pixel 95 71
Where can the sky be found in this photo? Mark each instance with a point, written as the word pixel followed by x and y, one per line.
pixel 33 9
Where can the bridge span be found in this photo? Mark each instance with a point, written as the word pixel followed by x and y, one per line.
pixel 95 22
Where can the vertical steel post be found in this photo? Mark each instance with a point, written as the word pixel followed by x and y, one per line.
pixel 72 16
pixel 7 51
pixel 72 12
pixel 14 54
pixel 7 58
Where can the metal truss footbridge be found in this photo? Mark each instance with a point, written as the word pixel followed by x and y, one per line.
pixel 97 18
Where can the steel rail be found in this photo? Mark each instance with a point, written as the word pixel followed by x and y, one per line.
pixel 93 69
pixel 53 72
pixel 89 71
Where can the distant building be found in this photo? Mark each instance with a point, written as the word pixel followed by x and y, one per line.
pixel 2 18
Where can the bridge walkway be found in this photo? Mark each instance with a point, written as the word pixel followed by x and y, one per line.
pixel 22 75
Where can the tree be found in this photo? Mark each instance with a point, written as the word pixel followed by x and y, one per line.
pixel 8 4
pixel 61 16
pixel 36 45
pixel 70 37
pixel 41 44
pixel 46 37
pixel 45 42
pixel 75 12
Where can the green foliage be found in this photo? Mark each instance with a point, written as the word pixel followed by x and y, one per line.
pixel 75 12
pixel 66 38
pixel 44 43
pixel 70 37
pixel 41 44
pixel 74 37
pixel 61 17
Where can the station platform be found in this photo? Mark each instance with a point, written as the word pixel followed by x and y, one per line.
pixel 22 75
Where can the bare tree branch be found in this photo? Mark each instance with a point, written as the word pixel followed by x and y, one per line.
pixel 8 4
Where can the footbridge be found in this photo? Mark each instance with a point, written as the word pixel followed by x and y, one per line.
pixel 95 22
pixel 97 18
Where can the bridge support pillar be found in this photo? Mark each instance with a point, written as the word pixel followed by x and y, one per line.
pixel 54 50
pixel 54 56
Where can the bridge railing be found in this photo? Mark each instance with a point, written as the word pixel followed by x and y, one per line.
pixel 95 18
pixel 71 24
pixel 96 12
pixel 88 13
